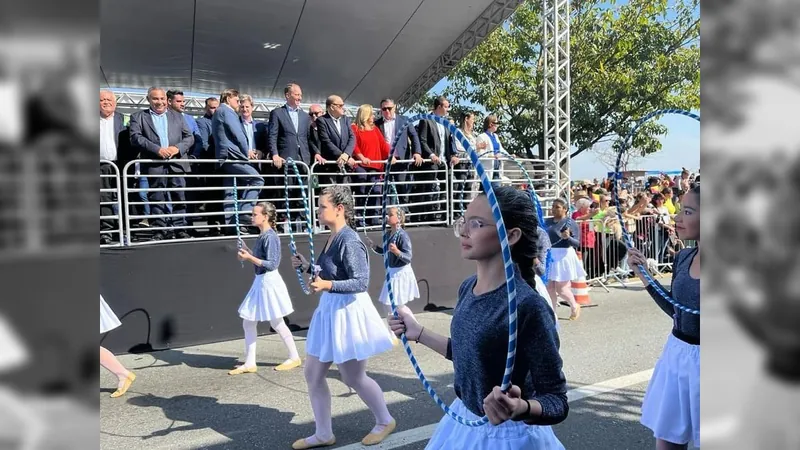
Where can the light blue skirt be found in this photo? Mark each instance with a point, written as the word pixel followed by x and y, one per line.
pixel 671 406
pixel 451 435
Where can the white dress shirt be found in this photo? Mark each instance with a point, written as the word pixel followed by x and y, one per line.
pixel 108 146
pixel 337 124
pixel 388 127
pixel 441 139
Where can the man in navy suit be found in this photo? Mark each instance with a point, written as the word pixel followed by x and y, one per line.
pixel 160 133
pixel 337 141
pixel 113 132
pixel 231 144
pixel 206 150
pixel 390 123
pixel 289 130
pixel 437 145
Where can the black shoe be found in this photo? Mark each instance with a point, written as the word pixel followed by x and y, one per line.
pixel 105 239
pixel 181 234
pixel 158 236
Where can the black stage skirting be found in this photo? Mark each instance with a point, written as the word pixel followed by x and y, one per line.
pixel 191 291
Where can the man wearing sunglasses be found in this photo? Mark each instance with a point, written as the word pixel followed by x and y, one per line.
pixel 390 123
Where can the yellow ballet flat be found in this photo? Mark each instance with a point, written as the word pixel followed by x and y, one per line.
pixel 377 438
pixel 125 386
pixel 301 444
pixel 242 369
pixel 288 365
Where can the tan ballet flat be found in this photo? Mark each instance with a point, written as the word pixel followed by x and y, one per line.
pixel 288 365
pixel 125 386
pixel 242 369
pixel 377 438
pixel 301 444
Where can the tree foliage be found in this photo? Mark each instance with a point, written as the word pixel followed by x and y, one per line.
pixel 627 60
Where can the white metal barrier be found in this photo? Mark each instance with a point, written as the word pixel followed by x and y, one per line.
pixel 411 192
pixel 111 198
pixel 203 210
pixel 208 201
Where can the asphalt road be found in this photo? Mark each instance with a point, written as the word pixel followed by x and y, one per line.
pixel 184 399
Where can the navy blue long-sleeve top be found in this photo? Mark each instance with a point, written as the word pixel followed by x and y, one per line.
pixel 345 263
pixel 268 250
pixel 542 246
pixel 403 243
pixel 554 232
pixel 686 291
pixel 479 344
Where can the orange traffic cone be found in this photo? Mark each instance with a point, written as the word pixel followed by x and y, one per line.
pixel 580 288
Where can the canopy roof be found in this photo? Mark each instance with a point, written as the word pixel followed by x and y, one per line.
pixel 362 50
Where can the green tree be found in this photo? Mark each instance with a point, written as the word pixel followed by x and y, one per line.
pixel 627 60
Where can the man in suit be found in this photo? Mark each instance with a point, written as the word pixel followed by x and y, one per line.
pixel 438 145
pixel 113 132
pixel 337 141
pixel 289 129
pixel 231 144
pixel 205 150
pixel 160 133
pixel 390 123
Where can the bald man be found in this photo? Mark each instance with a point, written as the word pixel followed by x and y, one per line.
pixel 112 125
pixel 336 137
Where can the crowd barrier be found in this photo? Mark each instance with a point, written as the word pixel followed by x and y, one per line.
pixel 198 204
pixel 111 202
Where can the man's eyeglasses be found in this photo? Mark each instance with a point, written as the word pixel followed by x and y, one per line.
pixel 315 114
pixel 462 227
pixel 339 105
pixel 387 108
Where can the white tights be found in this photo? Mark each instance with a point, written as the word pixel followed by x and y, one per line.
pixel 354 375
pixel 251 336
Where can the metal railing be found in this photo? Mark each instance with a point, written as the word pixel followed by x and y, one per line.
pixel 198 204
pixel 115 203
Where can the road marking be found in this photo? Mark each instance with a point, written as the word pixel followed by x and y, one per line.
pixel 424 433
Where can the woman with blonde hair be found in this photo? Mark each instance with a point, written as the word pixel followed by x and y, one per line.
pixel 490 139
pixel 370 146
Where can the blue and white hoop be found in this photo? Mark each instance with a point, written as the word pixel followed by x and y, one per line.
pixel 506 251
pixel 309 226
pixel 626 143
pixel 239 242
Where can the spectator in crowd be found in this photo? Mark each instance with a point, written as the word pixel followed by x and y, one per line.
pixel 315 111
pixel 437 144
pixel 337 140
pixel 408 146
pixel 585 209
pixel 664 228
pixel 370 146
pixel 492 141
pixel 254 131
pixel 669 200
pixel 113 137
pixel 289 129
pixel 161 134
pixel 462 169
pixel 231 143
pixel 205 150
pixel 177 103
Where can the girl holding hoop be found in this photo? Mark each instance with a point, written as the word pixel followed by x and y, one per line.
pixel 566 237
pixel 401 275
pixel 268 299
pixel 109 321
pixel 520 418
pixel 671 405
pixel 345 329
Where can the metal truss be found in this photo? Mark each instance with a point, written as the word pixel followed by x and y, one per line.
pixel 130 102
pixel 493 16
pixel 555 20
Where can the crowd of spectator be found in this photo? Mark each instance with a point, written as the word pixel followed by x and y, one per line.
pixel 648 211
pixel 345 149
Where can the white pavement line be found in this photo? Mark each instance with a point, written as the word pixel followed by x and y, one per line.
pixel 423 433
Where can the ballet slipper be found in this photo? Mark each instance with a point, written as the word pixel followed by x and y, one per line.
pixel 288 364
pixel 302 444
pixel 125 386
pixel 377 438
pixel 242 369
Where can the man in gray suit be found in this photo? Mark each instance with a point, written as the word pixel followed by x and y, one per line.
pixel 160 133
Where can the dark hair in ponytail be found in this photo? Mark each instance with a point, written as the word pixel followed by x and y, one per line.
pixel 340 194
pixel 518 211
